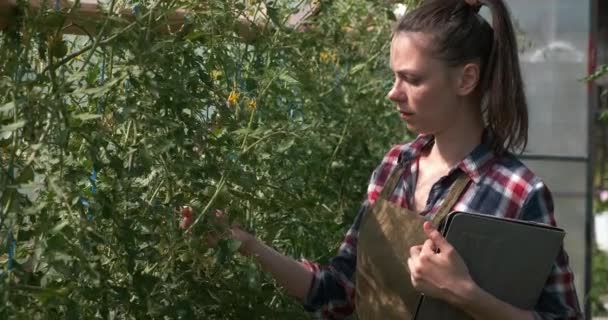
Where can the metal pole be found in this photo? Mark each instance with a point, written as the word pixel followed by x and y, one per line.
pixel 592 107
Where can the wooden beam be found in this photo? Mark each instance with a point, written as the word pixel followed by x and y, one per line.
pixel 7 10
pixel 88 15
pixel 307 11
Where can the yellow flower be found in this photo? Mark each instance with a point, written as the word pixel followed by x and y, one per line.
pixel 324 56
pixel 215 74
pixel 233 98
pixel 328 56
pixel 252 104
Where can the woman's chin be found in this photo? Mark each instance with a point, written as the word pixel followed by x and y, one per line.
pixel 411 126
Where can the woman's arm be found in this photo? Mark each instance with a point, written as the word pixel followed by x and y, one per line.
pixel 290 274
pixel 446 277
pixel 480 304
pixel 559 299
pixel 326 290
pixel 438 270
pixel 293 276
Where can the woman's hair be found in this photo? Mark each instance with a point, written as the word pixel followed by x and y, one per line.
pixel 460 36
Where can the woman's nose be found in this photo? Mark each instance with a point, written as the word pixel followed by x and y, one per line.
pixel 395 94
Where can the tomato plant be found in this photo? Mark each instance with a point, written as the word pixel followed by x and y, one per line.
pixel 104 135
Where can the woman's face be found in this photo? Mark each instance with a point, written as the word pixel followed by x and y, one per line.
pixel 425 89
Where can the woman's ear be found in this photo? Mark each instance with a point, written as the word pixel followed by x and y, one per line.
pixel 468 79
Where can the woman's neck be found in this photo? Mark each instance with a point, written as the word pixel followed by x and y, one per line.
pixel 456 142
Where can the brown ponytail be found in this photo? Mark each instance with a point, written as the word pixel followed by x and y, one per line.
pixel 462 36
pixel 506 107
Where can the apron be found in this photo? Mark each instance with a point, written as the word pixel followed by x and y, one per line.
pixel 383 286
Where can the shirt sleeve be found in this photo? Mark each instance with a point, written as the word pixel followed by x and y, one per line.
pixel 332 289
pixel 558 299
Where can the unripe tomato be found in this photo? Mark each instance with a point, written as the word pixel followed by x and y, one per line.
pixel 58 48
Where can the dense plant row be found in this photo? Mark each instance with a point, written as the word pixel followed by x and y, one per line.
pixel 104 136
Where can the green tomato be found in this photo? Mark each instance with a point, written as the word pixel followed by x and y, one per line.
pixel 53 21
pixel 223 198
pixel 58 48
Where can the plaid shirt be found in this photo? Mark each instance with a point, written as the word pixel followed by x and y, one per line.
pixel 501 186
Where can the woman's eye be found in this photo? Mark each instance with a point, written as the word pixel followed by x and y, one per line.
pixel 412 80
pixel 409 79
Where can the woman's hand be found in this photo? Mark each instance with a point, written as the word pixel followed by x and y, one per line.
pixel 437 270
pixel 220 222
pixel 233 232
pixel 186 217
pixel 292 275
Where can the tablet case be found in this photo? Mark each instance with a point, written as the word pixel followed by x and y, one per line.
pixel 511 259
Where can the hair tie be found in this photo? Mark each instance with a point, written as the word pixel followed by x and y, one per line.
pixel 475 5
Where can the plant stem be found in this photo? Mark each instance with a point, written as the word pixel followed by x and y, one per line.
pixel 220 185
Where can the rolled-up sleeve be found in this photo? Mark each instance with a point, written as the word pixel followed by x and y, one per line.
pixel 558 299
pixel 332 289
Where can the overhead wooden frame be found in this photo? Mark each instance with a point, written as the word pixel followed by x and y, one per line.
pixel 85 15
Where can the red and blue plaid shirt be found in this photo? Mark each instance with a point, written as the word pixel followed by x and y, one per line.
pixel 501 186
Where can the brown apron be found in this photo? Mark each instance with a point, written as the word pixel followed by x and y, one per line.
pixel 383 286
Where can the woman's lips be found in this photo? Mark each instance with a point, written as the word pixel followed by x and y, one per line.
pixel 405 115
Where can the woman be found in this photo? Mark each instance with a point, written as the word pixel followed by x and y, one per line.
pixel 458 85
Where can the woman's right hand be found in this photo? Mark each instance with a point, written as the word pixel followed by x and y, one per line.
pixel 289 273
pixel 233 232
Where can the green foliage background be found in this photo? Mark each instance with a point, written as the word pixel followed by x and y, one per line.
pixel 599 286
pixel 283 132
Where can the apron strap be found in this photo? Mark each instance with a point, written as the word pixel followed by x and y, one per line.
pixel 450 200
pixel 391 182
pixel 454 194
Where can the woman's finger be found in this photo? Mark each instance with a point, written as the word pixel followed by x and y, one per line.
pixel 428 247
pixel 411 267
pixel 220 219
pixel 186 217
pixel 211 240
pixel 435 236
pixel 415 251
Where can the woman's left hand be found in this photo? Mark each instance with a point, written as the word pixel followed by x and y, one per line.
pixel 437 270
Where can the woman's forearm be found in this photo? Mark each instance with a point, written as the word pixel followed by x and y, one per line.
pixel 289 273
pixel 481 305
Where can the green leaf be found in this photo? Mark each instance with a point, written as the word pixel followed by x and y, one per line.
pixel 5 135
pixel 58 227
pixel 26 175
pixel 600 72
pixel 289 79
pixel 357 68
pixel 13 126
pixel 7 107
pixel 233 245
pixel 44 294
pixel 604 117
pixel 253 276
pixel 286 145
pixel 273 14
pixel 97 92
pixel 86 116
pixel 195 36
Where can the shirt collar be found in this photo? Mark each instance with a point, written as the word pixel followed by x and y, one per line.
pixel 475 164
